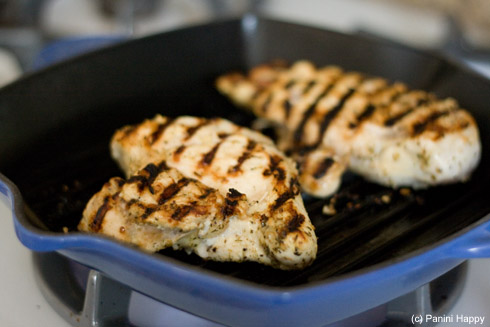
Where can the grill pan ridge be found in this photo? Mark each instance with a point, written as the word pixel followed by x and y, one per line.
pixel 377 236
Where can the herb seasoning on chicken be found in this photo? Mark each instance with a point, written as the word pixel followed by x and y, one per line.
pixel 332 120
pixel 208 186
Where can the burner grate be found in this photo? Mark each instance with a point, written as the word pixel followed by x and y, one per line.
pixel 87 298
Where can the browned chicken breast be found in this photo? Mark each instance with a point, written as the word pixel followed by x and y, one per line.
pixel 332 120
pixel 239 196
pixel 158 208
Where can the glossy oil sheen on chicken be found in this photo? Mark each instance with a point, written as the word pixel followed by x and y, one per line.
pixel 331 120
pixel 205 185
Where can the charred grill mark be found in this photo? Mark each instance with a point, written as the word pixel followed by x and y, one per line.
pixel 131 202
pixel 208 157
pixel 368 112
pixel 393 120
pixel 140 180
pixel 287 108
pixel 152 171
pixel 232 193
pixel 206 193
pixel 120 182
pixel 148 212
pixel 294 224
pixel 182 211
pixel 396 118
pixel 323 168
pixel 395 96
pixel 160 130
pixel 290 193
pixel 267 102
pixel 309 86
pixel 290 84
pixel 96 223
pixel 231 202
pixel 178 152
pixel 172 190
pixel 420 127
pixel 245 155
pixel 329 116
pixel 298 133
pixel 192 130
pixel 371 108
pixel 274 168
pixel 282 198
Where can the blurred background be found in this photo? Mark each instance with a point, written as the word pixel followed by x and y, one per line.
pixel 458 28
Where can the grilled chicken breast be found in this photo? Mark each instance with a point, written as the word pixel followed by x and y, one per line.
pixel 336 120
pixel 157 208
pixel 239 195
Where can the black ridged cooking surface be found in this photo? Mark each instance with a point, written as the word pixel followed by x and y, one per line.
pixel 57 126
pixel 371 223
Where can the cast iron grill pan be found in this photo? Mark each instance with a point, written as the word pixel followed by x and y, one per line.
pixel 64 159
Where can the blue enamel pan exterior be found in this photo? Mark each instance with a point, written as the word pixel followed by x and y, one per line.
pixel 232 44
pixel 236 303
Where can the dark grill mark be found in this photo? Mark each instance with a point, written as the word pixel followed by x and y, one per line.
pixel 420 127
pixel 267 102
pixel 309 86
pixel 96 223
pixel 181 212
pixel 298 133
pixel 232 193
pixel 120 182
pixel 192 130
pixel 323 168
pixel 393 120
pixel 329 116
pixel 146 181
pixel 292 226
pixel 206 193
pixel 295 223
pixel 140 180
pixel 153 172
pixel 160 130
pixel 148 212
pixel 178 152
pixel 371 108
pixel 274 168
pixel 172 190
pixel 290 193
pixel 281 199
pixel 290 84
pixel 231 200
pixel 368 112
pixel 245 155
pixel 208 158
